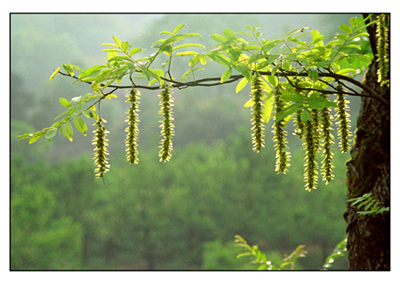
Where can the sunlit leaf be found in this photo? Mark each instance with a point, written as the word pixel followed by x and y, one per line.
pixel 226 75
pixel 218 38
pixel 177 29
pixel 268 106
pixel 189 45
pixel 242 83
pixel 65 103
pixel 54 73
pixel 186 53
pixel 117 41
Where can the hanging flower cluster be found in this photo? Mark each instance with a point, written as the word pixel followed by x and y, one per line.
pixel 131 141
pixel 167 127
pixel 100 150
pixel 383 48
pixel 327 162
pixel 256 121
pixel 282 156
pixel 343 121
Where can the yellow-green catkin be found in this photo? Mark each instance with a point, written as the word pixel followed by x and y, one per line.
pixel 131 140
pixel 100 150
pixel 383 48
pixel 343 121
pixel 282 155
pixel 167 127
pixel 327 141
pixel 299 125
pixel 256 121
pixel 310 158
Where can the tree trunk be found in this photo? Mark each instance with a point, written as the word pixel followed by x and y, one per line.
pixel 368 171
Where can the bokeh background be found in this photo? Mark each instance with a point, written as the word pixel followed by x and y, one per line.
pixel 181 215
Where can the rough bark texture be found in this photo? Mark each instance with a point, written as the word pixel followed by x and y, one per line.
pixel 368 171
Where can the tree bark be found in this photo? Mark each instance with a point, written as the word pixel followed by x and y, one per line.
pixel 368 171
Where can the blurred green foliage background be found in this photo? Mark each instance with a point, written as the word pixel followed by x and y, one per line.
pixel 181 215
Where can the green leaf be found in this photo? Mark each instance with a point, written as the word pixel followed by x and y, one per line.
pixel 90 113
pixel 109 44
pixel 92 71
pixel 203 59
pixel 288 110
pixel 166 32
pixel 226 75
pixel 305 115
pixel 352 46
pixel 111 50
pixel 249 103
pixel 242 83
pixel 167 49
pixel 245 71
pixel 135 50
pixel 177 29
pixel 251 47
pixel 270 44
pixel 96 86
pixel 80 125
pixel 293 97
pixel 65 103
pixel 318 102
pixel 186 53
pixel 193 34
pixel 273 80
pixel 346 70
pixel 67 130
pixel 345 28
pixel 50 133
pixel 117 41
pixel 69 68
pixel 218 38
pixel 194 60
pixel 317 39
pixel 313 74
pixel 173 39
pixel 189 45
pixel 110 96
pixel 36 136
pixel 269 103
pixel 220 58
pixel 274 70
pixel 353 21
pixel 229 34
pixel 233 53
pixel 54 73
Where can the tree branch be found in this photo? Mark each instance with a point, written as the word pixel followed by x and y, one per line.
pixel 233 78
